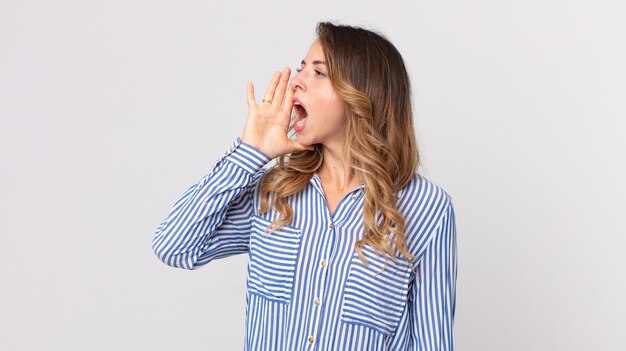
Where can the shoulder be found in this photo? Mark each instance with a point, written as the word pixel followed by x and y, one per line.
pixel 424 206
pixel 422 192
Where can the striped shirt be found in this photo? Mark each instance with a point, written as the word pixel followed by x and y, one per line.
pixel 307 289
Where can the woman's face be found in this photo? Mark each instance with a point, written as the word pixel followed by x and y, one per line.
pixel 320 112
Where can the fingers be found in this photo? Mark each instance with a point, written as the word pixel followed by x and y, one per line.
pixel 269 93
pixel 279 94
pixel 287 103
pixel 251 98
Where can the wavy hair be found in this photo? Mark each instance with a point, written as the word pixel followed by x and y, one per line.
pixel 369 74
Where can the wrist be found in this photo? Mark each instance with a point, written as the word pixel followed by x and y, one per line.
pixel 256 147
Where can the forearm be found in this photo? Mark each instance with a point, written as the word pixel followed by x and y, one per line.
pixel 184 234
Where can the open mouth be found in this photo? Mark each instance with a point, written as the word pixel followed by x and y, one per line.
pixel 301 115
pixel 300 111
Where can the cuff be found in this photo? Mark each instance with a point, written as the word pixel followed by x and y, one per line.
pixel 247 156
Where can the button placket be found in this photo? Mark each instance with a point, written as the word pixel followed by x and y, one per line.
pixel 323 274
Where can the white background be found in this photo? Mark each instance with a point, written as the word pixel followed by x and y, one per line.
pixel 109 110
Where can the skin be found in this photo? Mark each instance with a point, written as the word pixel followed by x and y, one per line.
pixel 267 124
pixel 326 110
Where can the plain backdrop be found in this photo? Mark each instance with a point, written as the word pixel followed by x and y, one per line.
pixel 109 110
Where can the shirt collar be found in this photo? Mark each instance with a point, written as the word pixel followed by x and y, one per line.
pixel 317 184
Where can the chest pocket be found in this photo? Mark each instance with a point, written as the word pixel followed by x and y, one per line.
pixel 372 299
pixel 273 258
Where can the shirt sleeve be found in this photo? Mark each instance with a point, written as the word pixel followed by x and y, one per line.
pixel 432 297
pixel 212 218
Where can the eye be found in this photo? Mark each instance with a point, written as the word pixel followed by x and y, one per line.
pixel 320 74
pixel 298 70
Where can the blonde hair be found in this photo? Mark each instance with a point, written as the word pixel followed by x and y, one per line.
pixel 369 74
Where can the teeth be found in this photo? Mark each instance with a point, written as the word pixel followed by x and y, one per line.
pixel 300 123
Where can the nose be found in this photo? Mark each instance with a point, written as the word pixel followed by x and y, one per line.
pixel 297 82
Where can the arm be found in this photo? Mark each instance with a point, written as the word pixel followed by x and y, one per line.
pixel 212 218
pixel 432 296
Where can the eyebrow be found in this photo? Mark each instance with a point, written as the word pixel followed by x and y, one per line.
pixel 316 62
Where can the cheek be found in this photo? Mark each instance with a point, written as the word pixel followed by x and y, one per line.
pixel 337 109
pixel 333 104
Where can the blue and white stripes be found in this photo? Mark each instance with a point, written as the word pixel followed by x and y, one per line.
pixel 307 288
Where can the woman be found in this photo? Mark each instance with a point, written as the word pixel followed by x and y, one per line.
pixel 350 248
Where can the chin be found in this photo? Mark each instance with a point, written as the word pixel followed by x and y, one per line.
pixel 304 140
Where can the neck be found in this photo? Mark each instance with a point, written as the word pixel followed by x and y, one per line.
pixel 335 170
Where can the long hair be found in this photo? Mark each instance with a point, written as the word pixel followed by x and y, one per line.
pixel 369 74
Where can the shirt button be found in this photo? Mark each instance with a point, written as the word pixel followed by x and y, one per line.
pixel 323 263
pixel 310 339
pixel 330 225
pixel 354 197
pixel 317 302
